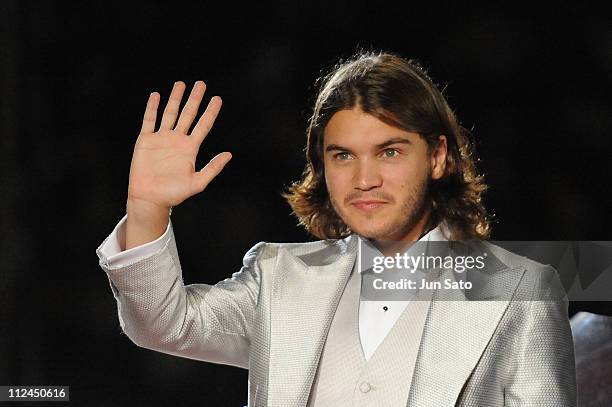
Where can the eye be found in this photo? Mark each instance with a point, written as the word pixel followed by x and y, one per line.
pixel 342 156
pixel 390 152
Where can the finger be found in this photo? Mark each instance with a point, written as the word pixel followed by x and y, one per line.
pixel 172 108
pixel 202 178
pixel 207 120
pixel 150 115
pixel 191 107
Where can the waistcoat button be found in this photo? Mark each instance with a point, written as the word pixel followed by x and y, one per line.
pixel 365 387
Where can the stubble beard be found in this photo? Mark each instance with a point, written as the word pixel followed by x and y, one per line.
pixel 410 213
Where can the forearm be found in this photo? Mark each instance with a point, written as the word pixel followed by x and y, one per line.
pixel 199 321
pixel 156 311
pixel 149 291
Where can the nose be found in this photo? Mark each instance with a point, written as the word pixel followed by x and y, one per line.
pixel 367 175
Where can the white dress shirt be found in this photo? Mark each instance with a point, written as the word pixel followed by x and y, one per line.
pixel 376 318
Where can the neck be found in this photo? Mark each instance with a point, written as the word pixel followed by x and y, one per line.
pixel 398 243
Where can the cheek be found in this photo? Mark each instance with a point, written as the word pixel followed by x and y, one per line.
pixel 328 181
pixel 397 179
pixel 335 181
pixel 406 177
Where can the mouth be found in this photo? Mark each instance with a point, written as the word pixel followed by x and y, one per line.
pixel 368 205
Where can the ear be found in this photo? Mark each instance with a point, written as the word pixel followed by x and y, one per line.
pixel 438 158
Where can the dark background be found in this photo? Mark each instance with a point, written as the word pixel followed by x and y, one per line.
pixel 533 85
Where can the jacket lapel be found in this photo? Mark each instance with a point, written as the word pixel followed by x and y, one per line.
pixel 456 333
pixel 305 294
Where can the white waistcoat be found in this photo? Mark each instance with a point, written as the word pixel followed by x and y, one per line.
pixel 345 378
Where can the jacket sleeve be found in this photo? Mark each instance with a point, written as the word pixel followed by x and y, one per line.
pixel 544 372
pixel 112 248
pixel 157 311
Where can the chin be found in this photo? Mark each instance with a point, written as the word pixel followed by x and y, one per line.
pixel 372 231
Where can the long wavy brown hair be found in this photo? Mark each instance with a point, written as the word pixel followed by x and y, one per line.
pixel 400 93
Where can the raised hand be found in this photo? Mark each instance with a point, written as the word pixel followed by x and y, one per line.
pixel 163 173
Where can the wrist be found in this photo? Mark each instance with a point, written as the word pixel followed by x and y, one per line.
pixel 146 221
pixel 147 214
pixel 145 209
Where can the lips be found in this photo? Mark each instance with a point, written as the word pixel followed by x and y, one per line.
pixel 368 205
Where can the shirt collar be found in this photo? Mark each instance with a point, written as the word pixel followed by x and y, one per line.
pixel 438 234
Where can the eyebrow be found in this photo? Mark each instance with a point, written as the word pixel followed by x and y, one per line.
pixel 387 143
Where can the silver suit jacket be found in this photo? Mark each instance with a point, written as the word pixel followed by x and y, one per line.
pixel 272 317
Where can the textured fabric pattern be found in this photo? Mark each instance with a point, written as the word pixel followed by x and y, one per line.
pixel 199 321
pixel 344 377
pixel 342 357
pixel 497 352
pixel 273 315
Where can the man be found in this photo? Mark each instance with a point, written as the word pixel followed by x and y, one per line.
pixel 387 165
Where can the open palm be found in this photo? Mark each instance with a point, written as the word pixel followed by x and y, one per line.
pixel 163 170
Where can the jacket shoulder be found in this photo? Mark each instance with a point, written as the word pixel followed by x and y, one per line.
pixel 539 281
pixel 513 260
pixel 314 253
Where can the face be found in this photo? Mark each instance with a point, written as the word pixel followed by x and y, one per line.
pixel 378 175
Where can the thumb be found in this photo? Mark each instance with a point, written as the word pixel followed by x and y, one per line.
pixel 202 178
